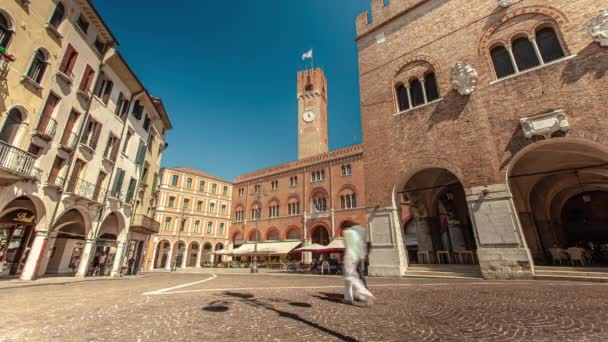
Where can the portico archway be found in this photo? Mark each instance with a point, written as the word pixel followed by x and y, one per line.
pixel 17 224
pixel 440 231
pixel 179 250
pixel 162 253
pixel 67 242
pixel 320 235
pixel 192 255
pixel 560 191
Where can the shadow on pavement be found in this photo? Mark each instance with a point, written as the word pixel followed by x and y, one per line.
pixel 249 299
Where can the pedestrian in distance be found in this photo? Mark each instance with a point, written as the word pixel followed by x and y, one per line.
pixel 354 254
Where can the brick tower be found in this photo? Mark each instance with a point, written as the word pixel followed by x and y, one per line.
pixel 312 113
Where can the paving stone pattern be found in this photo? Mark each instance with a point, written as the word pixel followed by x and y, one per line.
pixel 264 308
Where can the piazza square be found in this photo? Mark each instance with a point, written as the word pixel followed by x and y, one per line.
pixel 382 170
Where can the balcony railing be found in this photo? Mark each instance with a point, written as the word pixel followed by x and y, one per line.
pixel 87 190
pixel 17 161
pixel 47 127
pixel 146 223
pixel 68 141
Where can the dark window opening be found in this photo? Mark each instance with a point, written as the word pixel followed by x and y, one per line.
pixel 549 45
pixel 502 62
pixel 525 57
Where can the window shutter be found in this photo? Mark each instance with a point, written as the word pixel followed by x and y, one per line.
pixel 107 92
pixel 97 129
pixel 87 77
pixel 141 152
pixel 66 58
pixel 120 175
pixel 115 149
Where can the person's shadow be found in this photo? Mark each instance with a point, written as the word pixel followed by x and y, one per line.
pixel 249 299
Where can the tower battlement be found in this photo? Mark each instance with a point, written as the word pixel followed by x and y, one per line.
pixel 311 82
pixel 382 13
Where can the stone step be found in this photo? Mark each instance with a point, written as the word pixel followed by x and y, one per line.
pixel 570 278
pixel 424 272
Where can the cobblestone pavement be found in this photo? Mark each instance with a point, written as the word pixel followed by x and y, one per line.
pixel 303 308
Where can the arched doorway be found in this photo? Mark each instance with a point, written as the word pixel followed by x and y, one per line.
pixel 67 242
pixel 106 247
pixel 273 235
pixel 179 249
pixel 17 223
pixel 320 235
pixel 207 256
pixel 218 247
pixel 162 253
pixel 560 191
pixel 440 231
pixel 192 254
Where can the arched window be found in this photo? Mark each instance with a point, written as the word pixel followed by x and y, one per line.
pixel 525 57
pixel 294 234
pixel 6 30
pixel 14 119
pixel 549 45
pixel 273 235
pixel 402 99
pixel 502 62
pixel 430 86
pixel 38 66
pixel 417 93
pixel 319 203
pixel 348 200
pixel 293 206
pixel 58 16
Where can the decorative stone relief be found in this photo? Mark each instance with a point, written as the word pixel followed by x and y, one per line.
pixel 464 78
pixel 505 3
pixel 545 124
pixel 598 28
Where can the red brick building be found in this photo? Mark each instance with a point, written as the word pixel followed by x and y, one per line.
pixel 307 199
pixel 488 120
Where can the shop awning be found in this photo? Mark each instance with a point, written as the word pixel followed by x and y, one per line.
pixel 337 245
pixel 264 248
pixel 315 247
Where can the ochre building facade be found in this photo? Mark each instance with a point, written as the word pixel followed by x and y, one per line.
pixel 194 211
pixel 489 126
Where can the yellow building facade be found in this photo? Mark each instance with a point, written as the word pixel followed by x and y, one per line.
pixel 193 209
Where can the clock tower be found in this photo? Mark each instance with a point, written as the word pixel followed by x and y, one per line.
pixel 312 113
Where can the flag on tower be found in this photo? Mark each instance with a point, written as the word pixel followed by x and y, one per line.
pixel 307 55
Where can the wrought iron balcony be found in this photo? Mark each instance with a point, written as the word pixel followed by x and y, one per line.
pixel 47 127
pixel 68 141
pixel 81 188
pixel 18 161
pixel 145 225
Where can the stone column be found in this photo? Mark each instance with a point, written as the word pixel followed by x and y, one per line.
pixel 118 259
pixel 46 256
pixel 198 257
pixel 502 249
pixel 423 234
pixel 35 255
pixel 85 258
pixel 184 256
pixel 388 256
pixel 169 259
pixel 153 261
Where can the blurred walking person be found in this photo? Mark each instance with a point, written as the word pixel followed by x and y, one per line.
pixel 354 237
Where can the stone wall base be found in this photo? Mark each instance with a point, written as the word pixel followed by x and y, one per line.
pixel 384 271
pixel 504 263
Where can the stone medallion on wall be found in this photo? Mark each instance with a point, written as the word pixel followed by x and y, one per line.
pixel 464 78
pixel 598 28
pixel 505 3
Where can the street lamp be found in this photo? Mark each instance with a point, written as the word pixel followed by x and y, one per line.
pixel 179 232
pixel 254 263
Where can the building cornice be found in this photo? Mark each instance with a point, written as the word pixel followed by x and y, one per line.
pixel 354 151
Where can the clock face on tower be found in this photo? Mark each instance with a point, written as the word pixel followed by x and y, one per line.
pixel 309 116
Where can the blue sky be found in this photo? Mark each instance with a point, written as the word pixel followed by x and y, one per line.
pixel 226 71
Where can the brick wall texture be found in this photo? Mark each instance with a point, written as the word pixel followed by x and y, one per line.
pixel 475 137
